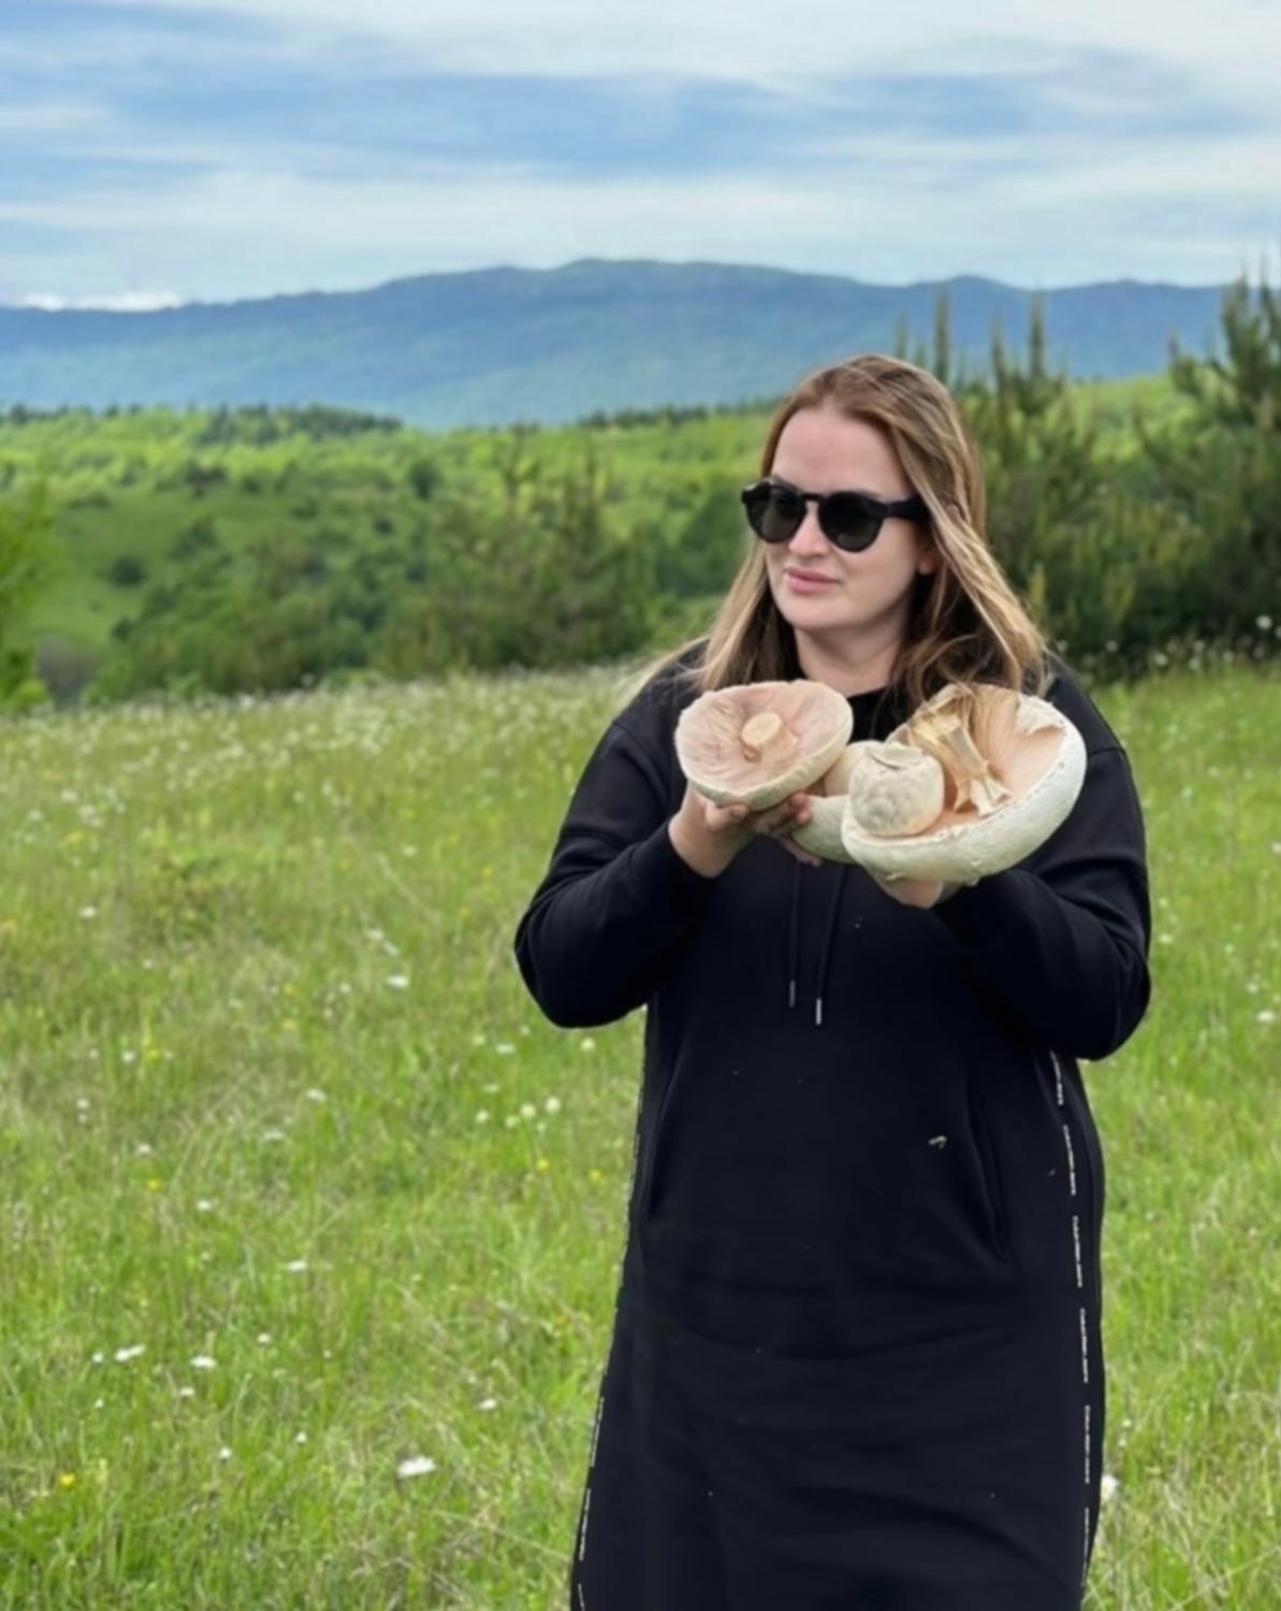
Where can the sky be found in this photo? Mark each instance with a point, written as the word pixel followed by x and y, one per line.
pixel 213 150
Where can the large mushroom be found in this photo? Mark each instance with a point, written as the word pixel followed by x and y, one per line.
pixel 971 783
pixel 759 742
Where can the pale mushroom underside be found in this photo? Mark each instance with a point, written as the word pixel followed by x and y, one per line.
pixel 759 742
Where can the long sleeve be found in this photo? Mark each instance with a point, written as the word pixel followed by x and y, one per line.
pixel 617 896
pixel 1061 940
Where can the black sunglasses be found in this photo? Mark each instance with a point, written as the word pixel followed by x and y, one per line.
pixel 851 520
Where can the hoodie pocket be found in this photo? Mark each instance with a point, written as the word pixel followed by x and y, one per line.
pixel 990 1171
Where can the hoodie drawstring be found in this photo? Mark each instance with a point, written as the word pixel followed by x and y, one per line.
pixel 793 937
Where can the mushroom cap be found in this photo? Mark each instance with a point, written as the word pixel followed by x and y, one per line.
pixel 821 835
pixel 758 742
pixel 1033 750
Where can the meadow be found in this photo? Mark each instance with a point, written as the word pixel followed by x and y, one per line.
pixel 311 1224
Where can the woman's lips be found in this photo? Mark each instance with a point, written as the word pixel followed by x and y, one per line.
pixel 804 583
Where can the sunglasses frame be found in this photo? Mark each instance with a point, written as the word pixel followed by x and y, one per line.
pixel 913 508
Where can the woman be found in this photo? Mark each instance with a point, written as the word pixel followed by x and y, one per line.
pixel 856 1358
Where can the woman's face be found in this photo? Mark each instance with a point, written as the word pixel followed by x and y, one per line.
pixel 863 607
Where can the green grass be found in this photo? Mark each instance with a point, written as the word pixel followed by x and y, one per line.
pixel 256 990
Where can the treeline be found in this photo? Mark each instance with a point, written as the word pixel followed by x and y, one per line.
pixel 671 414
pixel 263 550
pixel 253 422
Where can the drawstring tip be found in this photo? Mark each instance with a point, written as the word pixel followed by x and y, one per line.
pixel 818 1010
pixel 791 992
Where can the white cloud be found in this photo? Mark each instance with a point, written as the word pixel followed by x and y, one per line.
pixel 1232 46
pixel 127 302
pixel 262 213
pixel 54 117
pixel 135 55
pixel 241 233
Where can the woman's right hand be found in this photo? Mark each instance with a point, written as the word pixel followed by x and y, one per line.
pixel 709 836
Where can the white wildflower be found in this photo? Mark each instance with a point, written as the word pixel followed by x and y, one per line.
pixel 417 1465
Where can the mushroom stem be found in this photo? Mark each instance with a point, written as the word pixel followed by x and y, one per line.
pixel 766 736
pixel 946 735
pixel 976 783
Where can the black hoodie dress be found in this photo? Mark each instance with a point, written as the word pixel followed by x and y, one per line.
pixel 856 1358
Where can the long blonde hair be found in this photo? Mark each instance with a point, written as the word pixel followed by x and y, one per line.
pixel 966 623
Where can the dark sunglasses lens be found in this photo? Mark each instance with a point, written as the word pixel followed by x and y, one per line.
pixel 774 512
pixel 848 521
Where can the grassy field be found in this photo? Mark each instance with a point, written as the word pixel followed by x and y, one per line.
pixel 296 1186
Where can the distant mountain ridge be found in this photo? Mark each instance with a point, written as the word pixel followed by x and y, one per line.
pixel 496 345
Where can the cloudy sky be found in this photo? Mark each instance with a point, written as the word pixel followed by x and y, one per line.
pixel 215 149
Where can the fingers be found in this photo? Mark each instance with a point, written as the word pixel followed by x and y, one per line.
pixel 794 849
pixel 775 821
pixel 781 822
pixel 781 817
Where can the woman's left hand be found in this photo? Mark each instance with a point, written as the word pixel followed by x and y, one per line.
pixel 915 891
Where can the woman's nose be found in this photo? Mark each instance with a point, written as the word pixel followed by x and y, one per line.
pixel 809 534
